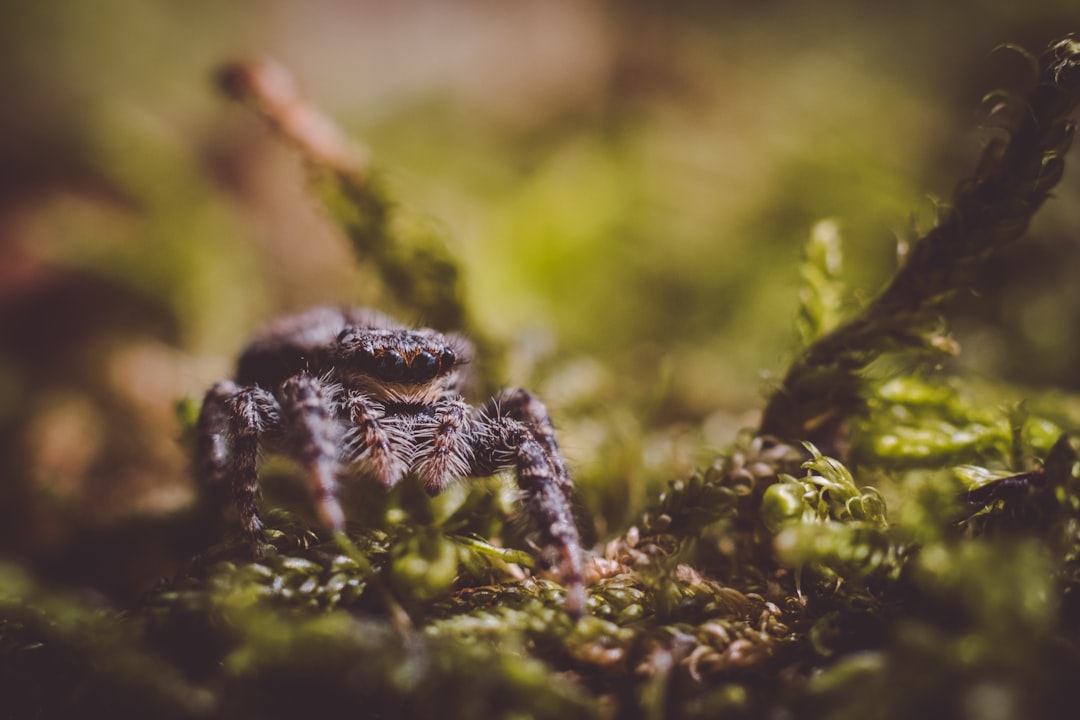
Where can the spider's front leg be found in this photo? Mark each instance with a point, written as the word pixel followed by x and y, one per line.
pixel 521 436
pixel 252 414
pixel 311 440
pixel 235 423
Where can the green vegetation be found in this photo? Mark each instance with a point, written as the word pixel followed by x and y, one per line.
pixel 886 545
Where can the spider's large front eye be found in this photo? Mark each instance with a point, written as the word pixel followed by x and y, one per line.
pixel 390 366
pixel 424 366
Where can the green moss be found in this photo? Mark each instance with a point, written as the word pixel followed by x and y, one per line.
pixel 988 211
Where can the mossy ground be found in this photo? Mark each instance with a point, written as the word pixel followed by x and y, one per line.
pixel 724 601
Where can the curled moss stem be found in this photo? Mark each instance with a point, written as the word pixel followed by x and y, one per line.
pixel 988 210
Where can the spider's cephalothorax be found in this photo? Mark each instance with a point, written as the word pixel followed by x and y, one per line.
pixel 337 389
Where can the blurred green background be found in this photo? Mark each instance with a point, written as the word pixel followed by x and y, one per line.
pixel 627 185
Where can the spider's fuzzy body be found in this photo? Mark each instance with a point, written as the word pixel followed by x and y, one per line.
pixel 346 388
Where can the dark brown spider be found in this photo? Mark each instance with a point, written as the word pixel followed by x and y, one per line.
pixel 339 389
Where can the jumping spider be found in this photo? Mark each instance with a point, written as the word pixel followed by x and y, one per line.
pixel 339 389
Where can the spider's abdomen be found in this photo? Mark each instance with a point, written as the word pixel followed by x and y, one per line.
pixel 268 367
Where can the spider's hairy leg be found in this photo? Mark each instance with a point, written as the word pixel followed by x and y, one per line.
pixel 447 454
pixel 522 437
pixel 523 406
pixel 253 412
pixel 548 506
pixel 212 447
pixel 312 441
pixel 368 442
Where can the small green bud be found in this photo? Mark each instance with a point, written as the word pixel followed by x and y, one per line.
pixel 782 503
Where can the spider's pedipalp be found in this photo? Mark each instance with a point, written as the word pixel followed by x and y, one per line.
pixel 447 454
pixel 369 444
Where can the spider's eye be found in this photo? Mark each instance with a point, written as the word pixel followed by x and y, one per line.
pixel 425 365
pixel 447 359
pixel 390 366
